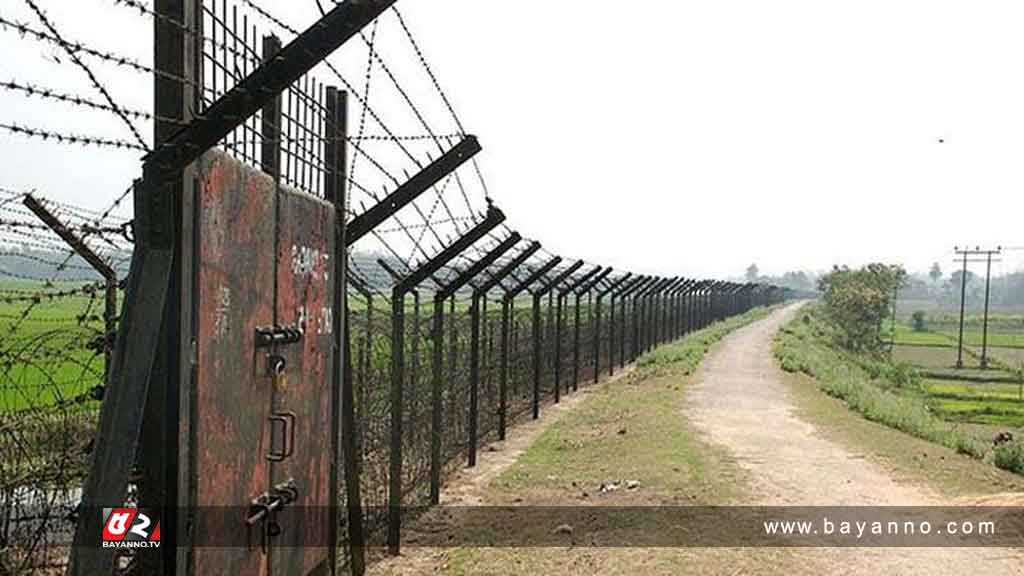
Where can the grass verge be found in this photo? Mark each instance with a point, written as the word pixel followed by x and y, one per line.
pixel 881 391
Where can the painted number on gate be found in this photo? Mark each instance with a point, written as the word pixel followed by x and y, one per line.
pixel 305 260
pixel 324 320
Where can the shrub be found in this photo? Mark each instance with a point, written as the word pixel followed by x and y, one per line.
pixel 1010 457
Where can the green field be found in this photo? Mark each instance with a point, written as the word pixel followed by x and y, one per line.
pixel 980 403
pixel 966 395
pixel 44 358
pixel 942 328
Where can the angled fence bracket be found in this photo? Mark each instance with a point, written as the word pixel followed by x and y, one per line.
pixel 431 174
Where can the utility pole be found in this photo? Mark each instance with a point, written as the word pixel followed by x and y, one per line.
pixel 984 329
pixel 977 251
pixel 892 324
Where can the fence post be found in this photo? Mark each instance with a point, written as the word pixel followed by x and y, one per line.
pixel 165 422
pixel 575 343
pixel 493 219
pixel 435 400
pixel 397 381
pixel 474 376
pixel 698 306
pixel 667 332
pixel 673 317
pixel 93 259
pixel 653 312
pixel 506 317
pixel 681 316
pixel 558 347
pixel 666 301
pixel 637 298
pixel 346 446
pixel 536 355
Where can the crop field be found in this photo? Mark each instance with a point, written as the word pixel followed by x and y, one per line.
pixel 1005 329
pixel 50 353
pixel 969 394
pixel 980 403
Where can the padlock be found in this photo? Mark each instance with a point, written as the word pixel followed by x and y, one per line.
pixel 281 381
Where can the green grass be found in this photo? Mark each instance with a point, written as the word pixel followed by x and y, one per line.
pixel 585 446
pixel 906 335
pixel 883 392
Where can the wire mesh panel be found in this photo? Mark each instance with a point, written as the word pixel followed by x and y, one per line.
pixel 416 437
pixel 369 323
pixel 455 435
pixel 587 339
pixel 521 360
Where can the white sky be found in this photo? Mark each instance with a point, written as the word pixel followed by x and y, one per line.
pixel 686 137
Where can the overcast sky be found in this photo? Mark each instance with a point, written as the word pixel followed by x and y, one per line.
pixel 686 137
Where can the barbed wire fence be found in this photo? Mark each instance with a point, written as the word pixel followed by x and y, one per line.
pixel 476 326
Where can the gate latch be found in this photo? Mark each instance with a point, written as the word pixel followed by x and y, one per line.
pixel 269 502
pixel 262 509
pixel 269 336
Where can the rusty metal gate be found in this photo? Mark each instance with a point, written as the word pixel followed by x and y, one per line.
pixel 264 410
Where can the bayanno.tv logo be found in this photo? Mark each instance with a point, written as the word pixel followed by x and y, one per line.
pixel 130 528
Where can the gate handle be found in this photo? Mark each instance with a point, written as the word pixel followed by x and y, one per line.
pixel 287 420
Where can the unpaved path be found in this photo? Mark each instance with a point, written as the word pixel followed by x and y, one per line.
pixel 741 402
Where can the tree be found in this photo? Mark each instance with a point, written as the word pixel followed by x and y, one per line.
pixel 796 280
pixel 753 273
pixel 936 272
pixel 857 301
pixel 918 318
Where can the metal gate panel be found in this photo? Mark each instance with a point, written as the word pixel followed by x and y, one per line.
pixel 305 276
pixel 253 430
pixel 233 391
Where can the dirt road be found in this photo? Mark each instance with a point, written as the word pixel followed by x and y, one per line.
pixel 741 403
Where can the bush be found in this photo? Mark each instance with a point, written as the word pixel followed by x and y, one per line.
pixel 918 320
pixel 1010 457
